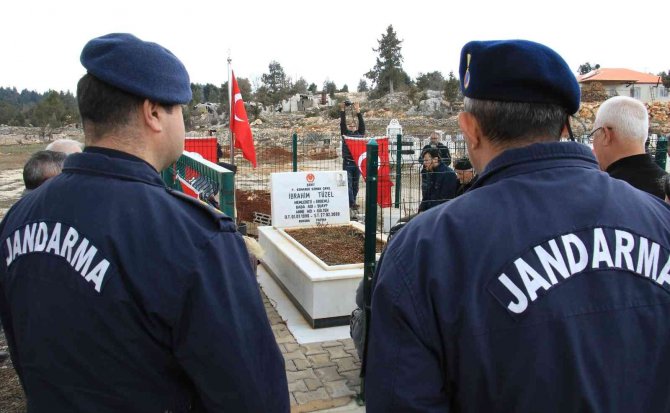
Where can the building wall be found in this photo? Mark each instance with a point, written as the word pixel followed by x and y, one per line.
pixel 644 92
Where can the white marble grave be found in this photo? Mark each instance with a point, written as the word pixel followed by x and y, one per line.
pixel 324 294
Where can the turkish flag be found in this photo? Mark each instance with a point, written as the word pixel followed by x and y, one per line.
pixel 239 126
pixel 358 149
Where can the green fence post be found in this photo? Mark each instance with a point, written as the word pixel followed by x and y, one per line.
pixel 398 169
pixel 370 245
pixel 295 152
pixel 661 151
pixel 226 183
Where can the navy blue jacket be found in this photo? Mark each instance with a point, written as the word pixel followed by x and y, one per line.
pixel 552 294
pixel 438 186
pixel 118 295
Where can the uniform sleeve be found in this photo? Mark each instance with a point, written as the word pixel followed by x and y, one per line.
pixel 343 124
pixel 403 367
pixel 224 340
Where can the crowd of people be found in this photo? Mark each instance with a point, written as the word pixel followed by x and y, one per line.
pixel 535 278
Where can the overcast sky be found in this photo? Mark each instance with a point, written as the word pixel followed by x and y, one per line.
pixel 40 40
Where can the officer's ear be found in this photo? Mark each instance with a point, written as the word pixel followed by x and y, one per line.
pixel 471 130
pixel 151 114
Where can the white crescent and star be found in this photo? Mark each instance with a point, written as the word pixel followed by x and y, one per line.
pixel 238 97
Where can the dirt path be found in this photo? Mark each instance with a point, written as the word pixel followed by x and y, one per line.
pixel 11 187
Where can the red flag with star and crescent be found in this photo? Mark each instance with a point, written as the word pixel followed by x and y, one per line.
pixel 239 125
pixel 357 148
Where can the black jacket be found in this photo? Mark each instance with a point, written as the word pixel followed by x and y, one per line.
pixel 641 172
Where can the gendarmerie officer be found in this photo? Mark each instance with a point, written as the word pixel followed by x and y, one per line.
pixel 117 294
pixel 553 289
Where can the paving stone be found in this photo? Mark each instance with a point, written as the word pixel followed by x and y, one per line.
pixel 306 397
pixel 281 348
pixel 286 339
pixel 290 347
pixel 353 377
pixel 294 355
pixel 313 348
pixel 297 385
pixel 290 365
pixel 292 400
pixel 338 389
pixel 333 343
pixel 348 344
pixel 354 354
pixel 313 384
pixel 302 364
pixel 321 360
pixel 292 376
pixel 337 352
pixel 278 327
pixel 347 364
pixel 327 374
pixel 275 319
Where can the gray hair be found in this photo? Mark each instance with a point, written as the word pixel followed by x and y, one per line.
pixel 626 116
pixel 513 122
pixel 67 146
pixel 41 166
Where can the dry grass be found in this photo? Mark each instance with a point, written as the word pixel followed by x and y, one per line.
pixel 15 156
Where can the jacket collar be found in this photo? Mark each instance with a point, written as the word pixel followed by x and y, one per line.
pixel 526 159
pixel 109 162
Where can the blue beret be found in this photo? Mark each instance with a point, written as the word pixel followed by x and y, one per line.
pixel 517 71
pixel 141 68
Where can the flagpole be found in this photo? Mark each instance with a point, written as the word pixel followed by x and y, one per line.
pixel 230 112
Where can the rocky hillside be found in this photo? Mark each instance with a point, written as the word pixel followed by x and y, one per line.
pixel 432 112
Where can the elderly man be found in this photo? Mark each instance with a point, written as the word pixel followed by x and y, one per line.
pixel 118 294
pixel 465 174
pixel 443 150
pixel 42 166
pixel 67 146
pixel 553 285
pixel 619 135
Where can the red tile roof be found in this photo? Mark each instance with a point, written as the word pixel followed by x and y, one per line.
pixel 619 76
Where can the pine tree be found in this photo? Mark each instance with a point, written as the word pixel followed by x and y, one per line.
pixel 387 72
pixel 452 88
pixel 276 82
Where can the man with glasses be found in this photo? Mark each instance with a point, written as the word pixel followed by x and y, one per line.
pixel 546 288
pixel 619 136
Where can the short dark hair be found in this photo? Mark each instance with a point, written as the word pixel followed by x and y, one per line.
pixel 41 166
pixel 433 152
pixel 512 122
pixel 666 185
pixel 105 108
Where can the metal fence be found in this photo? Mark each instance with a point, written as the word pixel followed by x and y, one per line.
pixel 323 152
pixel 208 181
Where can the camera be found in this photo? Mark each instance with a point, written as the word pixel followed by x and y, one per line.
pixel 347 102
